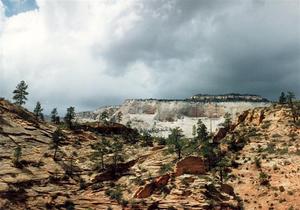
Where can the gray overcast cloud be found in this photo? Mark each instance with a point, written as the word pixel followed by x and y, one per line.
pixel 93 53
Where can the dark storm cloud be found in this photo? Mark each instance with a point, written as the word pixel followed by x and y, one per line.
pixel 250 47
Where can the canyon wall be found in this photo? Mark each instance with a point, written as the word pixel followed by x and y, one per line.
pixel 158 116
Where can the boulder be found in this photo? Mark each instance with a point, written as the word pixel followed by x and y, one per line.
pixel 190 165
pixel 220 134
pixel 147 190
pixel 226 188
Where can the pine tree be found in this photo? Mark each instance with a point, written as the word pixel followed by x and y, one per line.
pixel 54 116
pixel 290 97
pixel 228 121
pixel 282 98
pixel 221 167
pixel 38 111
pixel 194 131
pixel 147 139
pixel 70 169
pixel 201 131
pixel 104 117
pixel 101 149
pixel 70 115
pixel 176 143
pixel 117 150
pixel 57 137
pixel 20 93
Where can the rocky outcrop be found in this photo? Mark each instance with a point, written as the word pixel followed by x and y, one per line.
pixel 190 165
pixel 221 133
pixel 147 190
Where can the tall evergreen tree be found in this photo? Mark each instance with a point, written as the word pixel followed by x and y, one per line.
pixel 228 121
pixel 290 100
pixel 194 131
pixel 282 98
pixel 20 93
pixel 146 138
pixel 38 111
pixel 201 131
pixel 70 115
pixel 176 143
pixel 117 150
pixel 101 149
pixel 290 97
pixel 104 117
pixel 54 116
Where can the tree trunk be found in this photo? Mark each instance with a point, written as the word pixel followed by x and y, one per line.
pixel 102 162
pixel 54 156
pixel 221 175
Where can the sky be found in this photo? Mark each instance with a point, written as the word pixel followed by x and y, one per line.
pixel 88 53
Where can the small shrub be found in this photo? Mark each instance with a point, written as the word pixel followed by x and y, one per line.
pixel 165 168
pixel 275 167
pixel 264 179
pixel 161 141
pixel 271 148
pixel 257 162
pixel 283 151
pixel 115 193
pixel 138 181
pixel 185 182
pixel 281 189
pixel 97 186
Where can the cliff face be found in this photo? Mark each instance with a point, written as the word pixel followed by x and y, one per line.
pixel 272 150
pixel 159 116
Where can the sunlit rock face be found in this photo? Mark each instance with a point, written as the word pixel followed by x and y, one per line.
pixel 158 116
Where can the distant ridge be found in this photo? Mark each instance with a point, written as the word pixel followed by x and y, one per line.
pixel 228 97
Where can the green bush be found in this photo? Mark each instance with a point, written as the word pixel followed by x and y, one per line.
pixel 257 162
pixel 115 193
pixel 264 179
pixel 164 168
